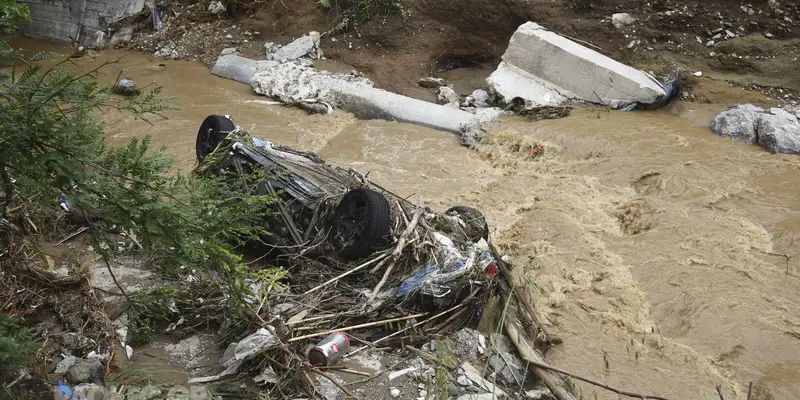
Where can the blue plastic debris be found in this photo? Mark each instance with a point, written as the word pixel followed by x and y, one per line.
pixel 64 390
pixel 64 203
pixel 672 86
pixel 415 280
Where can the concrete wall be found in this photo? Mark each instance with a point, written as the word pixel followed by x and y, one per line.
pixel 60 20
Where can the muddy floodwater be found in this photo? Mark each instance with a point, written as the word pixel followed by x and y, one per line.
pixel 662 255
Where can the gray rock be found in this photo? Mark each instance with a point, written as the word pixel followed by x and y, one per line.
pixel 463 381
pixel 783 114
pixel 509 368
pixel 299 48
pixel 64 365
pixel 431 82
pixel 750 107
pixel 621 20
pixel 446 95
pixel 328 390
pixel 466 344
pixel 73 340
pixel 737 124
pixel 779 135
pixel 85 371
pixel 228 50
pixel 794 109
pixel 481 98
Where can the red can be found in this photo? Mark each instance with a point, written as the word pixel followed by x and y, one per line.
pixel 330 350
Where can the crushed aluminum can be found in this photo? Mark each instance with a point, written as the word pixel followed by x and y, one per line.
pixel 330 350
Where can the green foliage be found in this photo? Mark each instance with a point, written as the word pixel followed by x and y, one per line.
pixel 11 14
pixel 16 344
pixel 52 145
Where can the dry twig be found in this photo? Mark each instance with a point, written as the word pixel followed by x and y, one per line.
pixel 398 250
pixel 349 328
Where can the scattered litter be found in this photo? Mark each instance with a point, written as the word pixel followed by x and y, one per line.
pixel 330 350
pixel 698 73
pixel 237 353
pixel 395 392
pixel 396 374
pixel 268 375
pixel 475 376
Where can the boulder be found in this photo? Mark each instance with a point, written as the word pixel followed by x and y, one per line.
pixel 446 95
pixel 85 371
pixel 621 20
pixel 778 134
pixel 738 124
pixel 778 112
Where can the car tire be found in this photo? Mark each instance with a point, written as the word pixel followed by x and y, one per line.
pixel 466 211
pixel 213 129
pixel 372 210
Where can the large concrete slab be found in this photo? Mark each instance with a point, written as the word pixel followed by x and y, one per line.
pixel 81 20
pixel 545 68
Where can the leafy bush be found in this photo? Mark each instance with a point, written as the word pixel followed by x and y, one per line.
pixel 11 14
pixel 51 145
pixel 16 344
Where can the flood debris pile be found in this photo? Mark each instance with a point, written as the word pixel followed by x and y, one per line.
pixel 409 294
pixel 777 130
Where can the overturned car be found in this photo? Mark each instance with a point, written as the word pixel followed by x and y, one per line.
pixel 337 214
pixel 317 201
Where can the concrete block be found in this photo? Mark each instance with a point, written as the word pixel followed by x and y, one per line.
pixel 59 20
pixel 239 69
pixel 544 68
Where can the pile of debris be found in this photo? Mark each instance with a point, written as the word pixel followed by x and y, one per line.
pixel 777 130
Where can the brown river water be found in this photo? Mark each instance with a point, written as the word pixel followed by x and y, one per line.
pixel 662 255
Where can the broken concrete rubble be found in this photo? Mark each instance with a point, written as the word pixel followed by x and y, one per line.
pixel 446 95
pixel 289 76
pixel 304 46
pixel 545 69
pixel 297 81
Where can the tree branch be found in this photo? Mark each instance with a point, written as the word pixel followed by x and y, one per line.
pixel 596 383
